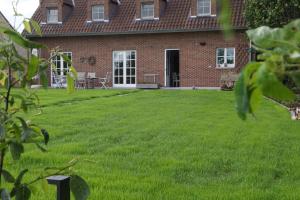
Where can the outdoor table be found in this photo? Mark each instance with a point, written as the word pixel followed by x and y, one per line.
pixel 91 83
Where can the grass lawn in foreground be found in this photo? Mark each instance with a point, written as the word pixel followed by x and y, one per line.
pixel 168 145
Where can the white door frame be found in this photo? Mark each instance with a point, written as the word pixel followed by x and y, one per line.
pixel 124 71
pixel 166 62
pixel 62 63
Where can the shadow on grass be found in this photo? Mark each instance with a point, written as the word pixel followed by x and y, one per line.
pixel 81 99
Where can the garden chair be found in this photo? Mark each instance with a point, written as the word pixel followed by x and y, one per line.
pixel 81 80
pixel 176 80
pixel 57 80
pixel 104 81
pixel 91 79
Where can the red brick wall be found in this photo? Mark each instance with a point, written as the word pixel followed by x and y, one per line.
pixel 197 62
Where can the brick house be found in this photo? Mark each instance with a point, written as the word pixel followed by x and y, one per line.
pixel 174 43
pixel 5 23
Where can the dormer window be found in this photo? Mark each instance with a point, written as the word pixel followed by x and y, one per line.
pixel 147 10
pixel 98 13
pixel 52 15
pixel 204 7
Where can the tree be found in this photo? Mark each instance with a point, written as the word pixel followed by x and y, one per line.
pixel 15 130
pixel 280 57
pixel 271 13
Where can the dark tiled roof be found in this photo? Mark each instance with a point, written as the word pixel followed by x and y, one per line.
pixel 176 18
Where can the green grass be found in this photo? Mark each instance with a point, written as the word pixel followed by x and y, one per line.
pixel 168 145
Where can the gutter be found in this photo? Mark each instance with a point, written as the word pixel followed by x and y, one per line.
pixel 128 33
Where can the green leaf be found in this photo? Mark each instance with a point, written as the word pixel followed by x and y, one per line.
pixel 2 132
pixel 23 193
pixel 40 147
pixel 45 185
pixel 296 78
pixel 46 136
pixel 247 93
pixel 241 96
pixel 20 40
pixel 7 176
pixel 26 134
pixel 225 19
pixel 32 67
pixel 271 86
pixel 23 122
pixel 79 188
pixel 44 79
pixel 4 194
pixel 36 27
pixel 27 26
pixel 16 149
pixel 70 83
pixel 20 177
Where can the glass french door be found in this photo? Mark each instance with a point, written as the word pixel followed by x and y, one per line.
pixel 124 68
pixel 59 70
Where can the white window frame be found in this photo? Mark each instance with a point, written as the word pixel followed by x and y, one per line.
pixel 142 9
pixel 98 13
pixel 198 8
pixel 124 85
pixel 225 65
pixel 61 68
pixel 49 16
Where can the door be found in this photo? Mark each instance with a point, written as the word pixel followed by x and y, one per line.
pixel 124 68
pixel 172 76
pixel 59 70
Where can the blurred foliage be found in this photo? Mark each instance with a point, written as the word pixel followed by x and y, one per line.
pixel 17 71
pixel 271 13
pixel 279 57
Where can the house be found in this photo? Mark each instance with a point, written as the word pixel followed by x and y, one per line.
pixel 174 43
pixel 5 23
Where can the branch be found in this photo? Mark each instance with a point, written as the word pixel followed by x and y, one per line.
pixel 53 174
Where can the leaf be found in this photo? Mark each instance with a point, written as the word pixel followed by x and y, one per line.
pixel 20 40
pixel 26 134
pixel 44 79
pixel 41 147
pixel 20 177
pixel 70 83
pixel 27 26
pixel 247 92
pixel 2 132
pixel 271 86
pixel 24 124
pixel 296 78
pixel 7 176
pixel 36 27
pixel 16 149
pixel 225 19
pixel 4 194
pixel 241 96
pixel 23 193
pixel 79 188
pixel 46 136
pixel 45 185
pixel 32 67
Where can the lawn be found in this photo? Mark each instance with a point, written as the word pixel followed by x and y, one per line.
pixel 168 145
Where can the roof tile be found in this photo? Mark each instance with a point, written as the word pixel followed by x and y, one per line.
pixel 176 18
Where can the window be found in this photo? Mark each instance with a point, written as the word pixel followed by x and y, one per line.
pixel 204 7
pixel 52 15
pixel 98 13
pixel 225 57
pixel 147 11
pixel 124 67
pixel 59 70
